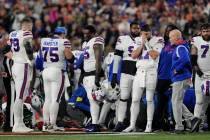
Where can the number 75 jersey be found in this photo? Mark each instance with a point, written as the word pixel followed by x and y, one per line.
pixel 52 51
pixel 203 53
pixel 16 39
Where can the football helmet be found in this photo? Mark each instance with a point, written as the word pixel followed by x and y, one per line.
pixel 98 94
pixel 36 100
pixel 111 94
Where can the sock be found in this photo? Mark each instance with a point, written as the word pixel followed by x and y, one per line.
pixel 122 107
pixel 134 112
pixel 94 110
pixel 54 112
pixel 46 112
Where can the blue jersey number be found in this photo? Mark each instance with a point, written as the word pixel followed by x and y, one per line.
pixel 15 44
pixel 130 50
pixel 86 54
pixel 206 48
pixel 53 53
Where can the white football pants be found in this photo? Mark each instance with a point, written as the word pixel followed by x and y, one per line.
pixel 54 81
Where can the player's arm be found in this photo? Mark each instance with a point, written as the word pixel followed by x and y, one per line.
pixel 194 57
pixel 98 56
pixel 136 53
pixel 155 52
pixel 28 45
pixel 143 43
pixel 69 55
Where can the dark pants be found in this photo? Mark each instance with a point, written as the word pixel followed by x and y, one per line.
pixel 208 116
pixel 161 88
pixel 7 85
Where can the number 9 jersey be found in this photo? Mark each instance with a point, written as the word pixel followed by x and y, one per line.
pixel 16 39
pixel 127 44
pixel 52 50
pixel 203 53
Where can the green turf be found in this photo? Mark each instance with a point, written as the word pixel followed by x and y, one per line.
pixel 162 136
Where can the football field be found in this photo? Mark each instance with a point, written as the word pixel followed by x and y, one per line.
pixel 130 136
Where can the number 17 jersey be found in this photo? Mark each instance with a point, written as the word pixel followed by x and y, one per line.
pixel 52 50
pixel 203 53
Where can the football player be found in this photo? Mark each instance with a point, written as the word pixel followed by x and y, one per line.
pixel 146 76
pixel 200 56
pixel 93 52
pixel 22 55
pixel 55 51
pixel 124 47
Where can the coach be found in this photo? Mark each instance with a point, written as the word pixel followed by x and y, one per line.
pixel 180 74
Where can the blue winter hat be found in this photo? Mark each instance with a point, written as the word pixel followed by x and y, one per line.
pixel 60 30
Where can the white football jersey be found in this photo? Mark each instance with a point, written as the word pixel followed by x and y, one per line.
pixel 145 61
pixel 89 56
pixel 203 53
pixel 16 39
pixel 127 45
pixel 53 52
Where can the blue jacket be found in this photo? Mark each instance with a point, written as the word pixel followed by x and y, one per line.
pixel 79 61
pixel 181 62
pixel 164 66
pixel 80 100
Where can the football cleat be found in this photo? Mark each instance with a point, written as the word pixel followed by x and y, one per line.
pixel 130 129
pixel 93 128
pixel 148 128
pixel 21 129
pixel 195 124
pixel 119 127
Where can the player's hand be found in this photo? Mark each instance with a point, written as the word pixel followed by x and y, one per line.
pixel 144 39
pixel 114 80
pixel 153 54
pixel 198 71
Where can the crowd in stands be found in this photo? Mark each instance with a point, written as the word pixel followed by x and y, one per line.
pixel 110 17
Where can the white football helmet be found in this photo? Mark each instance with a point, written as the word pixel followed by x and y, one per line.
pixel 98 94
pixel 205 87
pixel 36 101
pixel 112 94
